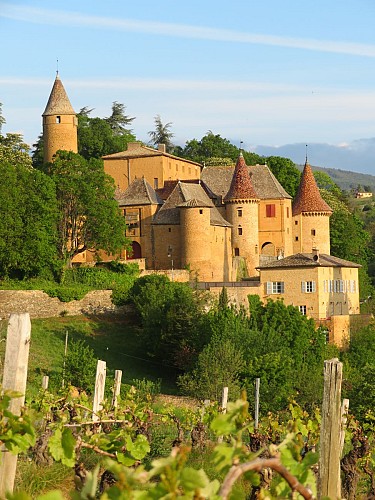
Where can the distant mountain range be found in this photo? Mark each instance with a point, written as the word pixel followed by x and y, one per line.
pixel 349 165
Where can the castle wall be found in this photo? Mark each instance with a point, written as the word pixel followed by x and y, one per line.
pixel 155 169
pixel 275 227
pixel 221 253
pixel 166 246
pixel 59 132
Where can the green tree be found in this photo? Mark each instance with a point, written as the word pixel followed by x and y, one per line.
pixel 162 134
pixel 78 373
pixel 219 365
pixel 119 121
pixel 286 173
pixel 2 119
pixel 89 217
pixel 28 214
pixel 171 315
pixel 98 137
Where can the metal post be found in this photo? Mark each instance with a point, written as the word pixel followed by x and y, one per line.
pixel 256 416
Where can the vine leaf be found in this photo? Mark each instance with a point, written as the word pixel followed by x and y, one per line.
pixel 62 447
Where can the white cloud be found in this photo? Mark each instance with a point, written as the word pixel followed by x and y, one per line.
pixel 29 14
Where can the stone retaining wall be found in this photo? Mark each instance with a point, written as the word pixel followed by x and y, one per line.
pixel 39 305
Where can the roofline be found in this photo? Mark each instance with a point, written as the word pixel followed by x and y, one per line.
pixel 152 152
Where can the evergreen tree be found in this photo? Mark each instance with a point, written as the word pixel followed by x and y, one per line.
pixel 162 134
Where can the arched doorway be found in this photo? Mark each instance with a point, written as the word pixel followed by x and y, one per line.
pixel 136 251
pixel 268 248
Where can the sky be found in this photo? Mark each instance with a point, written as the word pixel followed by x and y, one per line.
pixel 268 73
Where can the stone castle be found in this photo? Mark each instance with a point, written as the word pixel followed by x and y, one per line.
pixel 230 226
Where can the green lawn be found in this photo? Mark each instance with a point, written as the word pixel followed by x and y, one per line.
pixel 113 339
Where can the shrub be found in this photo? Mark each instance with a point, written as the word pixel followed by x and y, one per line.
pixel 67 293
pixel 80 366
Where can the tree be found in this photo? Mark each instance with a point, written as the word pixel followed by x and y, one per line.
pixel 28 214
pixel 98 137
pixel 2 119
pixel 119 121
pixel 286 173
pixel 89 217
pixel 219 365
pixel 161 134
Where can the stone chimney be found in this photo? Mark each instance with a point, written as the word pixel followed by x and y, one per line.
pixel 315 254
pixel 162 148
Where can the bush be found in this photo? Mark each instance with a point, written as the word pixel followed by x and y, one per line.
pixel 80 366
pixel 67 293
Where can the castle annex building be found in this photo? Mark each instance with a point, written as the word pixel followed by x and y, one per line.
pixel 224 224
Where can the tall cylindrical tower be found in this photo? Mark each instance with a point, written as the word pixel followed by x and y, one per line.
pixel 196 235
pixel 242 207
pixel 310 216
pixel 59 123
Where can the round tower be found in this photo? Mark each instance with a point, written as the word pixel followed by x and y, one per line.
pixel 59 123
pixel 242 208
pixel 195 227
pixel 310 216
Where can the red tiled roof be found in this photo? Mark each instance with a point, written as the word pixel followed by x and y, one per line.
pixel 308 198
pixel 241 186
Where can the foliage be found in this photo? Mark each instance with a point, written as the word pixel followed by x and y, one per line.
pixel 80 366
pixel 89 217
pixel 286 173
pixel 28 214
pixel 219 365
pixel 119 121
pixel 170 314
pixel 161 134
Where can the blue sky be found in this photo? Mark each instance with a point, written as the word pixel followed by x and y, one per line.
pixel 267 73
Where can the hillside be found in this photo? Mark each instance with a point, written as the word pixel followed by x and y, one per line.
pixel 346 179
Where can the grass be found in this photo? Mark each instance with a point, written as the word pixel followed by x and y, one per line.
pixel 115 340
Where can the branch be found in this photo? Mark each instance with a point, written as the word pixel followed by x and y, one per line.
pixel 83 444
pixel 257 465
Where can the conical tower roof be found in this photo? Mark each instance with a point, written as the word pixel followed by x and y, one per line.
pixel 308 197
pixel 58 102
pixel 241 187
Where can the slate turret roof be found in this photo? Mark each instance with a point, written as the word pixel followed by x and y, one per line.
pixel 138 193
pixel 308 197
pixel 241 187
pixel 58 102
pixel 187 195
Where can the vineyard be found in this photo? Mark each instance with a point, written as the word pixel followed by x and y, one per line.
pixel 129 446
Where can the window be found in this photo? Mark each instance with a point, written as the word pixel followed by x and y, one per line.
pixel 236 252
pixel 313 232
pixel 274 287
pixel 239 212
pixel 271 210
pixel 308 286
pixel 58 119
pixel 156 183
pixel 287 212
pixel 302 310
pixel 200 211
pixel 296 222
pixel 169 230
pixel 239 231
pixel 296 238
